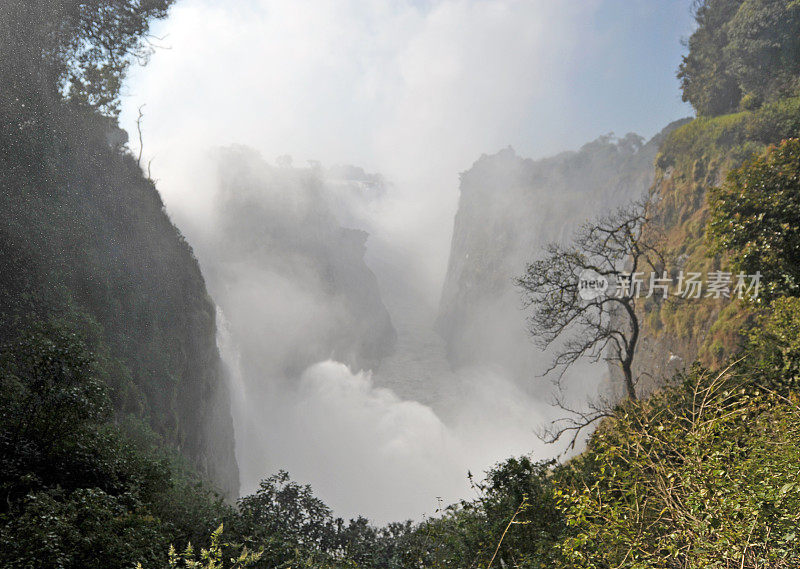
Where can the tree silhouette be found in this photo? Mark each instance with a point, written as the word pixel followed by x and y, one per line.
pixel 583 296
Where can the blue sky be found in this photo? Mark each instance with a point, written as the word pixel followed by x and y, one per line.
pixel 629 82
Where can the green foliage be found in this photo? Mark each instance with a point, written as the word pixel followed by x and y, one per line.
pixel 75 490
pixel 287 520
pixel 51 386
pixel 211 558
pixel 71 489
pixel 52 406
pixel 706 82
pixel 515 521
pixel 78 48
pixel 754 217
pixel 775 121
pixel 292 527
pixel 703 475
pixel 774 344
pixel 743 53
pixel 87 527
pixel 763 49
pixel 280 506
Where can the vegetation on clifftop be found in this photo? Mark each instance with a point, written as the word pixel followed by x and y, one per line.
pixel 742 54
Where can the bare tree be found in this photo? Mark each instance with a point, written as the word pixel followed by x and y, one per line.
pixel 141 140
pixel 583 297
pixel 141 145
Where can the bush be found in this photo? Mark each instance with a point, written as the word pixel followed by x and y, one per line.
pixel 755 217
pixel 211 558
pixel 775 346
pixel 75 490
pixel 703 475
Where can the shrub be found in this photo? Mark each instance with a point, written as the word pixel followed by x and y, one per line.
pixel 755 217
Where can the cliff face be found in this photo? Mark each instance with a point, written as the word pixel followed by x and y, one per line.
pixel 86 245
pixel 691 160
pixel 508 209
pixel 290 278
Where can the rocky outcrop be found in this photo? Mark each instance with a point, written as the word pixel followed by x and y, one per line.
pixel 290 278
pixel 509 208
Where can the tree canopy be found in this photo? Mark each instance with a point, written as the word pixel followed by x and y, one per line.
pixel 743 53
pixel 79 49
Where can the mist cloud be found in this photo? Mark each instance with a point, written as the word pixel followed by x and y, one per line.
pixel 416 91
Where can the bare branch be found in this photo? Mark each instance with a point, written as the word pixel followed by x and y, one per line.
pixel 593 327
pixel 141 141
